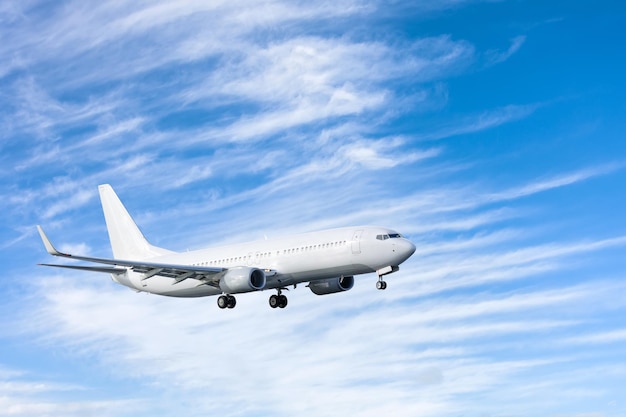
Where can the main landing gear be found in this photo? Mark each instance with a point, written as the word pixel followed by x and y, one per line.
pixel 381 285
pixel 226 301
pixel 278 300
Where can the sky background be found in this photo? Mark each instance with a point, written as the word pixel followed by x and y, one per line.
pixel 491 133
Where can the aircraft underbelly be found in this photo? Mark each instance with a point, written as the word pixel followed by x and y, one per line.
pixel 315 274
pixel 167 286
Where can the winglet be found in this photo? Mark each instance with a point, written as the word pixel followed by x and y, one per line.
pixel 49 246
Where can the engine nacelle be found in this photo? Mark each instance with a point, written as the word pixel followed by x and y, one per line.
pixel 331 285
pixel 242 279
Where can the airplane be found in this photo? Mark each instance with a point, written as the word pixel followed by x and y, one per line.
pixel 327 260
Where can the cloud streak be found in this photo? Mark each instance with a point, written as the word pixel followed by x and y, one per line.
pixel 496 57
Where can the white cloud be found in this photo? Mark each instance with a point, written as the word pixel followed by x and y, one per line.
pixel 486 120
pixel 555 182
pixel 21 395
pixel 332 346
pixel 496 57
pixel 28 407
pixel 305 80
pixel 612 336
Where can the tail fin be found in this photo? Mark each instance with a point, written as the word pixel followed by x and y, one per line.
pixel 127 241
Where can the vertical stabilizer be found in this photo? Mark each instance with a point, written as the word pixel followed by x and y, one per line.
pixel 127 241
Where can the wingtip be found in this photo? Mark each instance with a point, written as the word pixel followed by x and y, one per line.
pixel 46 242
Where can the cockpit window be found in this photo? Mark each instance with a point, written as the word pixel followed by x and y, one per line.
pixel 389 236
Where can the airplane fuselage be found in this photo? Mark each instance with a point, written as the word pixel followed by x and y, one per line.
pixel 298 258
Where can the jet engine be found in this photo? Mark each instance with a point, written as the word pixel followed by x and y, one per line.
pixel 331 285
pixel 242 279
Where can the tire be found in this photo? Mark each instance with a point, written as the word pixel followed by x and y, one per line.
pixel 282 301
pixel 274 302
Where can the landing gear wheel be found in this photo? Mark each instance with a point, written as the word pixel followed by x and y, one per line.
pixel 278 301
pixel 222 301
pixel 274 301
pixel 282 301
pixel 381 285
pixel 226 301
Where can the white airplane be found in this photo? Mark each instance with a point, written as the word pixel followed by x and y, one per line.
pixel 328 260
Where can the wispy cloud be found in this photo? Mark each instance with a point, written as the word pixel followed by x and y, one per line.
pixel 16 406
pixel 305 80
pixel 322 349
pixel 482 121
pixel 21 395
pixel 611 336
pixel 300 82
pixel 495 57
pixel 555 182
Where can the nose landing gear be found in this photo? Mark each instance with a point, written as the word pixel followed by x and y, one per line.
pixel 381 285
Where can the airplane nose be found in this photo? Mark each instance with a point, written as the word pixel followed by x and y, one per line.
pixel 405 249
pixel 410 250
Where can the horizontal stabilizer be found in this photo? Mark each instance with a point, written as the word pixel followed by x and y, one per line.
pixel 119 266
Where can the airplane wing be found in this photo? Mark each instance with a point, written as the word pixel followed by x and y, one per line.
pixel 207 275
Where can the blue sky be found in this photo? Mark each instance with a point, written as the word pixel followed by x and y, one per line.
pixel 488 132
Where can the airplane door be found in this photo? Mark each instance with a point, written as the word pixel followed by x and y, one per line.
pixel 356 242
